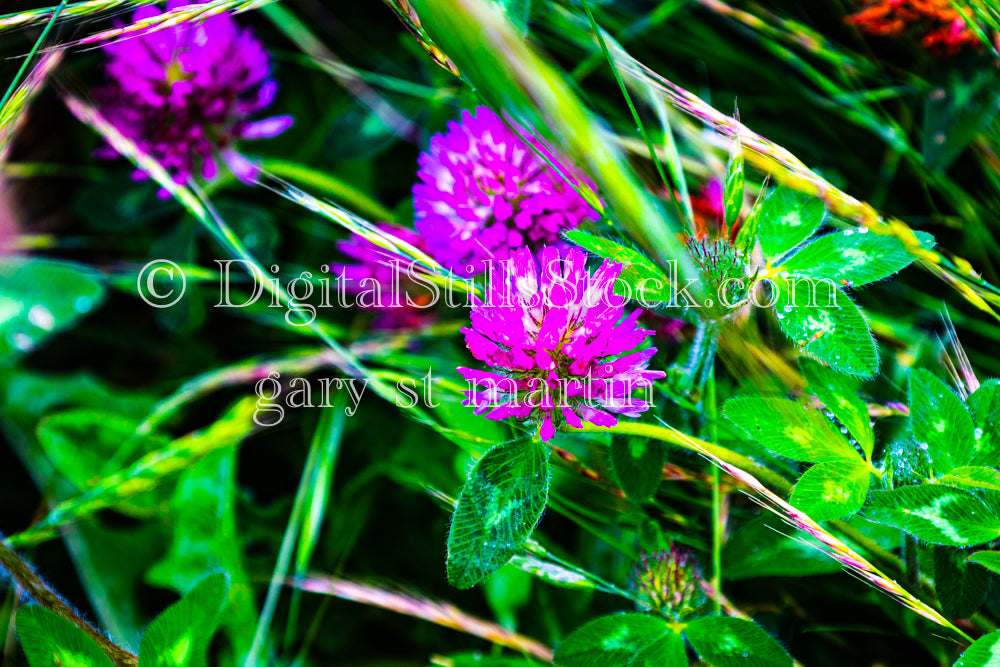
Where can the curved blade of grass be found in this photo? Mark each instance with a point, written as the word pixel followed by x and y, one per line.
pixel 599 34
pixel 434 611
pixel 494 59
pixel 329 185
pixel 431 269
pixel 312 490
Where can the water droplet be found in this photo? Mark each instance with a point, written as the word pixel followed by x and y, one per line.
pixel 83 304
pixel 22 341
pixel 848 232
pixel 42 317
pixel 843 429
pixel 862 230
pixel 979 433
pixel 787 309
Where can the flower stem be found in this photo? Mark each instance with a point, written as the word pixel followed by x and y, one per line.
pixel 37 589
pixel 718 527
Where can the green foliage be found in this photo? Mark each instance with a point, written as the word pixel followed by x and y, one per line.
pixel 853 257
pixel 114 441
pixel 640 279
pixel 640 640
pixel 822 321
pixel 49 639
pixel 203 517
pixel 500 504
pixel 936 514
pixel 961 587
pixel 734 188
pixel 180 635
pixel 638 465
pixel 667 651
pixel 518 11
pixel 611 641
pixel 833 489
pixel 985 407
pixel 552 573
pixel 988 559
pixel 973 477
pixel 953 118
pixel 835 392
pixel 746 237
pixel 837 485
pixel 787 218
pixel 40 297
pixel 734 642
pixel 940 420
pixel 789 429
pixel 507 592
pixel 984 652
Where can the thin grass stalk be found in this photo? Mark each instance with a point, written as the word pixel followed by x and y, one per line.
pixel 599 34
pixel 331 186
pixel 292 532
pixel 179 16
pixel 434 611
pixel 86 9
pixel 14 106
pixel 331 429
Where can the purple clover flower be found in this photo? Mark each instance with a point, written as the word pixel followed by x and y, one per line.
pixel 559 343
pixel 485 192
pixel 381 281
pixel 669 581
pixel 185 94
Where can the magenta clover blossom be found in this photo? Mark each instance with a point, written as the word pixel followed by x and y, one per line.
pixel 561 348
pixel 484 191
pixel 185 94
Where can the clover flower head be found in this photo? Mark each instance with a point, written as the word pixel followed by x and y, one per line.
pixel 669 581
pixel 485 191
pixel 561 348
pixel 185 94
pixel 383 281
